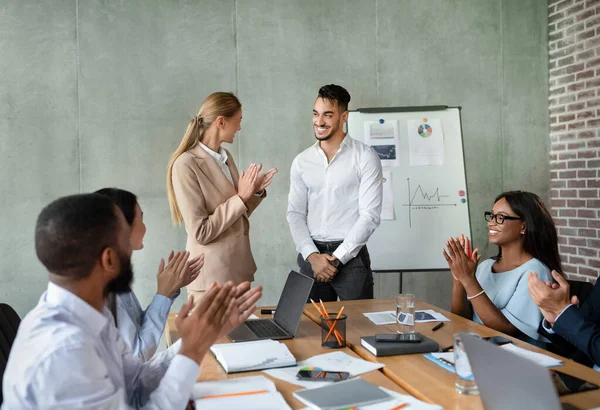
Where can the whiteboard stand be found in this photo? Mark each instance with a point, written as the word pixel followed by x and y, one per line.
pixel 430 201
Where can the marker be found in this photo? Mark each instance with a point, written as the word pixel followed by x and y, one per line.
pixel 438 326
pixel 267 311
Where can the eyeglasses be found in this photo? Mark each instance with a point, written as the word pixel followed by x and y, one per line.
pixel 499 218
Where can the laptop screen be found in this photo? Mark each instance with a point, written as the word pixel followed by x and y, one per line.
pixel 291 303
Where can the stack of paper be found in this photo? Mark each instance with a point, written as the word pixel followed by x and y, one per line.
pixel 335 361
pixel 255 392
pixel 248 356
pixel 538 358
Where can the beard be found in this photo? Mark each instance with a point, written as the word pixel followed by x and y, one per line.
pixel 122 283
pixel 332 131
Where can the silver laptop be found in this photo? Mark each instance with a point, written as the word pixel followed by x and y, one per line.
pixel 507 381
pixel 287 315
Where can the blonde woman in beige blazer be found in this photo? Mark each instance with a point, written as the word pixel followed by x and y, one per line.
pixel 207 193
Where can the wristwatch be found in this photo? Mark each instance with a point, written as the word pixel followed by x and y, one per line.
pixel 335 263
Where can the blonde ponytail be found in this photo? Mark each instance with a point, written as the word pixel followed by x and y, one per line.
pixel 216 105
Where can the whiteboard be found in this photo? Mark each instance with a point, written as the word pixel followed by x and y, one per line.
pixel 431 202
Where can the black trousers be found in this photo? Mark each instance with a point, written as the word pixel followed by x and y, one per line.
pixel 354 279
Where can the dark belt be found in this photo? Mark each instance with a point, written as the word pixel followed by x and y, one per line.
pixel 328 247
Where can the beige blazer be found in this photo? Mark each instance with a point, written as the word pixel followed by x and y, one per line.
pixel 215 218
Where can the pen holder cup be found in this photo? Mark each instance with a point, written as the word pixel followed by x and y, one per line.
pixel 333 331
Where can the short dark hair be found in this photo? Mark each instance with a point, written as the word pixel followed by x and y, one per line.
pixel 72 232
pixel 335 93
pixel 125 200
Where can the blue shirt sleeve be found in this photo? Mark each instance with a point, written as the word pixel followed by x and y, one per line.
pixel 521 310
pixel 142 330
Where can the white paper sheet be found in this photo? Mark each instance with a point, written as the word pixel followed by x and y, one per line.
pixel 387 210
pixel 382 318
pixel 384 139
pixel 335 361
pixel 388 317
pixel 447 356
pixel 253 316
pixel 426 142
pixel 538 358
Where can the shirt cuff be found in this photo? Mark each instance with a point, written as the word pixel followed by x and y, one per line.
pixel 547 327
pixel 175 295
pixel 184 371
pixel 307 249
pixel 342 255
pixel 162 304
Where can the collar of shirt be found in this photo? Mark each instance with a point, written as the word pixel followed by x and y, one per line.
pixel 91 320
pixel 345 142
pixel 220 157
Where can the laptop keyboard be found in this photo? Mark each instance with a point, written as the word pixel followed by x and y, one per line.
pixel 264 328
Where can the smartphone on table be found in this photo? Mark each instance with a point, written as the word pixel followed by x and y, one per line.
pixel 399 338
pixel 316 374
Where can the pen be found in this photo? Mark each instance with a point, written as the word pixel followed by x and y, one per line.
pixel 246 393
pixel 438 326
pixel 267 311
pixel 447 349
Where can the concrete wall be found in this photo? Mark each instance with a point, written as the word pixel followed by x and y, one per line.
pixel 98 93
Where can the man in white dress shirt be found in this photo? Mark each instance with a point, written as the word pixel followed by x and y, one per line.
pixel 334 203
pixel 68 353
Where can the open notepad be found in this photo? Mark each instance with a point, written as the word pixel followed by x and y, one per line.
pixel 256 355
pixel 249 393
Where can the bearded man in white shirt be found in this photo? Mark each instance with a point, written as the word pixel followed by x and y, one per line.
pixel 68 354
pixel 334 204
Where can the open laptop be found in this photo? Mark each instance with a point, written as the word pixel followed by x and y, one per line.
pixel 507 381
pixel 287 316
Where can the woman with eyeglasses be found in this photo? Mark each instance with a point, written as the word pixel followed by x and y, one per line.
pixel 495 293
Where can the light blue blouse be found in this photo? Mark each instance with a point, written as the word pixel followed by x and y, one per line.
pixel 508 291
pixel 140 329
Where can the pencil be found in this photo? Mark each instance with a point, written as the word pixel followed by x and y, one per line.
pixel 323 314
pixel 338 337
pixel 401 405
pixel 333 326
pixel 245 393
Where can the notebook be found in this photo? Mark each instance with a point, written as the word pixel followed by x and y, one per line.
pixel 237 393
pixel 393 348
pixel 351 393
pixel 248 356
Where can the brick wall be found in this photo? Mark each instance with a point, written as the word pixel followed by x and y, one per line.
pixel 574 104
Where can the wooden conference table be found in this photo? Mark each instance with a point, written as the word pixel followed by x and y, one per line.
pixel 412 374
pixel 425 379
pixel 307 343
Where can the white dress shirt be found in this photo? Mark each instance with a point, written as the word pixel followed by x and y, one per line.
pixel 335 201
pixel 221 158
pixel 142 329
pixel 67 355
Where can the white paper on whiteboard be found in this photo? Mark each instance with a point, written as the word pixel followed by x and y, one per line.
pixel 426 141
pixel 384 139
pixel 387 209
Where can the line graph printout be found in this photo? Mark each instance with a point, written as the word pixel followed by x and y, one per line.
pixel 420 199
